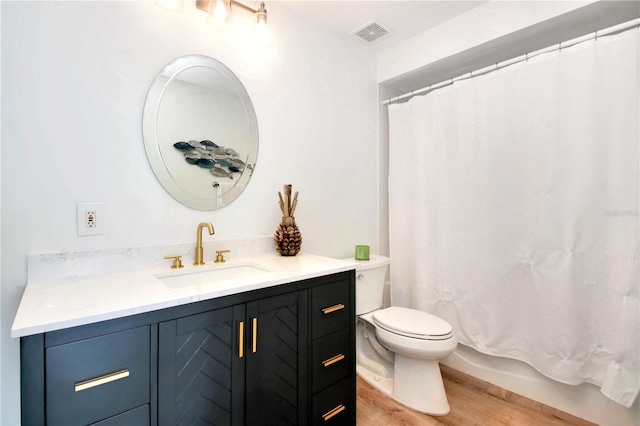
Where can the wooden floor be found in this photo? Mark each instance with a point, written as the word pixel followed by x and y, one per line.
pixel 472 401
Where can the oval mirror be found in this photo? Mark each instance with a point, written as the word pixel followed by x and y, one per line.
pixel 200 132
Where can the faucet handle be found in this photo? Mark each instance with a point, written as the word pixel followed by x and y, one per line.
pixel 177 260
pixel 220 257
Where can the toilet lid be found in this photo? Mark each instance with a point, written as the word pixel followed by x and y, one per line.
pixel 412 323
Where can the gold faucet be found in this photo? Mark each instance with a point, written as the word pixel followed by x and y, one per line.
pixel 199 251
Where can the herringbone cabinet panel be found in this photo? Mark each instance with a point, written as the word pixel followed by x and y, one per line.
pixel 197 370
pixel 275 363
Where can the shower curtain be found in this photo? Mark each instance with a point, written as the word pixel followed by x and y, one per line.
pixel 514 211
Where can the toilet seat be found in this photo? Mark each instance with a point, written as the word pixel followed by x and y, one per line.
pixel 412 323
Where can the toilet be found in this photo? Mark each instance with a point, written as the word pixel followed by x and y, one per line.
pixel 397 348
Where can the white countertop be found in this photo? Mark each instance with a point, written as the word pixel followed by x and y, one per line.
pixel 50 305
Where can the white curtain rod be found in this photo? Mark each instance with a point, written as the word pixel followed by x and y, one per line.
pixel 562 45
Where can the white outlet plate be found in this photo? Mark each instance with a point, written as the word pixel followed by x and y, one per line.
pixel 83 225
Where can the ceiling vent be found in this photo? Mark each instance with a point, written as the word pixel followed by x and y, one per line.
pixel 373 31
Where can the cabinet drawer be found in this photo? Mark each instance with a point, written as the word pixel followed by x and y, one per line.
pixel 138 417
pixel 330 307
pixel 97 378
pixel 331 359
pixel 335 405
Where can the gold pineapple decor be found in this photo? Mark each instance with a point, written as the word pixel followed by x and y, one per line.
pixel 288 238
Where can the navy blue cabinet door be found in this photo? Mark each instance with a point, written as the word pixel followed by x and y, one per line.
pixel 201 369
pixel 276 369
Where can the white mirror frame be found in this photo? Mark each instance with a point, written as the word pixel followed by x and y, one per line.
pixel 198 98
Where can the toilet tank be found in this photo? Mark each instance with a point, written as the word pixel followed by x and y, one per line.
pixel 370 277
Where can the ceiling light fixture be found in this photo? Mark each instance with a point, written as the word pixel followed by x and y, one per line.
pixel 219 12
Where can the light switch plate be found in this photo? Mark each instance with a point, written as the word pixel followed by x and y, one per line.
pixel 90 219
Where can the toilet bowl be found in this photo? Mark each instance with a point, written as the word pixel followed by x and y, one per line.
pixel 398 349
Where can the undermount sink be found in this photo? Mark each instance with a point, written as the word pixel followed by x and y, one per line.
pixel 212 276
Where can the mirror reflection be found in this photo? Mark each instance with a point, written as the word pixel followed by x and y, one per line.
pixel 200 132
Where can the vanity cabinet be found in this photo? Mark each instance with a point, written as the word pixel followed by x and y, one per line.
pixel 279 355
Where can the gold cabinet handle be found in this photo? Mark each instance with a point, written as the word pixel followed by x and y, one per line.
pixel 339 409
pixel 254 345
pixel 332 308
pixel 107 378
pixel 241 339
pixel 332 360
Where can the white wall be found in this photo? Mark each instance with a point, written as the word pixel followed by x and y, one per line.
pixel 481 25
pixel 74 80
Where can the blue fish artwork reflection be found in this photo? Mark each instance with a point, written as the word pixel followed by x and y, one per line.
pixel 206 154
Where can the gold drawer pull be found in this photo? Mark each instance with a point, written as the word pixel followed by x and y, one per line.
pixel 240 339
pixel 339 409
pixel 112 377
pixel 254 343
pixel 332 360
pixel 332 308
